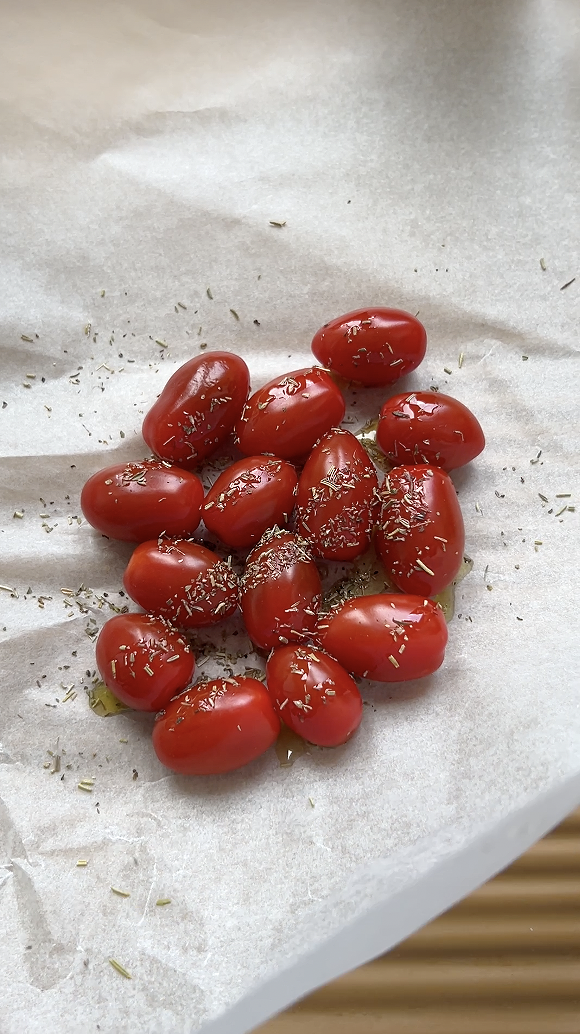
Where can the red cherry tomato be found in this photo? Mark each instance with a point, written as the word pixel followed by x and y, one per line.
pixel 143 660
pixel 388 637
pixel 337 495
pixel 215 727
pixel 139 501
pixel 421 537
pixel 182 581
pixel 427 427
pixel 290 413
pixel 250 496
pixel 371 346
pixel 197 408
pixel 314 695
pixel 280 591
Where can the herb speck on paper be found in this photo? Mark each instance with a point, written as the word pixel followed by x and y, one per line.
pixel 120 969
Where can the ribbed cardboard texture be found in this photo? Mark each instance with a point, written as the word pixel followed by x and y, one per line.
pixel 507 958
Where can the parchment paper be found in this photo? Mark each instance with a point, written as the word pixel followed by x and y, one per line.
pixel 422 155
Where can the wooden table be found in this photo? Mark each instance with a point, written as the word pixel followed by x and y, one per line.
pixel 504 961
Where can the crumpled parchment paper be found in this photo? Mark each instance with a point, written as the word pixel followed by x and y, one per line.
pixel 420 154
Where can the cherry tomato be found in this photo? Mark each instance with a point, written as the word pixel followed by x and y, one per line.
pixel 290 413
pixel 250 496
pixel 216 727
pixel 387 637
pixel 143 660
pixel 182 581
pixel 421 537
pixel 371 346
pixel 337 496
pixel 427 427
pixel 139 501
pixel 280 591
pixel 314 695
pixel 197 408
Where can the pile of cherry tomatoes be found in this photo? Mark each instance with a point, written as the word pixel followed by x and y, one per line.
pixel 304 490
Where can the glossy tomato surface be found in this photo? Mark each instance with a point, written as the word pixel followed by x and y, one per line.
pixel 197 408
pixel 371 346
pixel 387 637
pixel 250 496
pixel 143 660
pixel 428 427
pixel 182 581
pixel 314 695
pixel 337 497
pixel 139 501
pixel 290 413
pixel 280 591
pixel 216 727
pixel 420 538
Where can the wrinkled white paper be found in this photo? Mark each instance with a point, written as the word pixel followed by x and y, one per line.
pixel 423 155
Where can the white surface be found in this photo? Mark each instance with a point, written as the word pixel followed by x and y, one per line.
pixel 145 149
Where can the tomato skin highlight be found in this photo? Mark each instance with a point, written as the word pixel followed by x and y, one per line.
pixel 216 727
pixel 314 695
pixel 289 414
pixel 280 591
pixel 420 523
pixel 337 497
pixel 134 502
pixel 386 637
pixel 181 581
pixel 372 346
pixel 249 497
pixel 428 427
pixel 197 408
pixel 143 660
